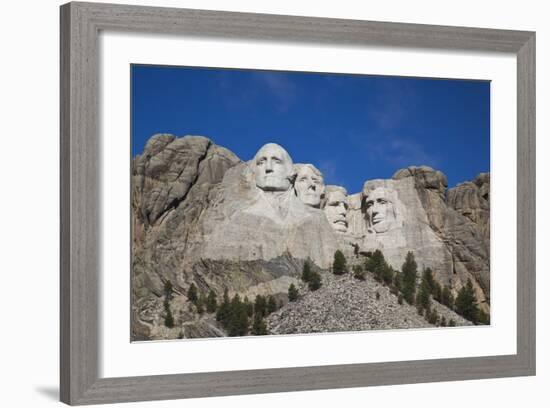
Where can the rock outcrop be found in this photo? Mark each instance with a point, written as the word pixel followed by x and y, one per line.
pixel 201 215
pixel 472 200
pixel 466 240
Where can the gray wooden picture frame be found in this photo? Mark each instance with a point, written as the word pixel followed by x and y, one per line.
pixel 80 191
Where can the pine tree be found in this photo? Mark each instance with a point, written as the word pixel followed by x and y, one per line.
pixel 358 272
pixel 376 264
pixel 192 294
pixel 315 281
pixel 428 277
pixel 168 290
pixel 238 319
pixel 259 328
pixel 447 297
pixel 222 315
pixel 211 302
pixel 433 285
pixel 433 317
pixel 398 280
pixel 271 304
pixel 437 293
pixel 200 304
pixel 387 273
pixel 292 293
pixel 483 318
pixel 306 272
pixel 260 306
pixel 169 318
pixel 249 307
pixel 423 296
pixel 409 270
pixel 339 266
pixel 466 304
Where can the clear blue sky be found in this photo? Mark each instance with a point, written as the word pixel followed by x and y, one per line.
pixel 352 127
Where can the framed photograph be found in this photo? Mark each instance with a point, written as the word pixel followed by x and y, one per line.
pixel 233 183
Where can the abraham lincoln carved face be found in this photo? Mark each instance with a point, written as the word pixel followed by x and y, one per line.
pixel 380 210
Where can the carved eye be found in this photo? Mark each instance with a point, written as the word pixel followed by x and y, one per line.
pixel 369 204
pixel 261 161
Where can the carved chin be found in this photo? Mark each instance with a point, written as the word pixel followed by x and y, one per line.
pixel 313 201
pixel 272 184
pixel 340 226
pixel 381 227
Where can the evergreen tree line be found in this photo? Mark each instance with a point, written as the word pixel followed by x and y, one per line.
pixel 241 317
pixel 208 303
pixel 404 284
pixel 238 317
pixel 310 277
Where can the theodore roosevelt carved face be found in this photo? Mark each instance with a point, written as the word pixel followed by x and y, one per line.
pixel 273 168
pixel 336 208
pixel 309 184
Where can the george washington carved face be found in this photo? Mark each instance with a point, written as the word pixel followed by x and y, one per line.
pixel 273 168
pixel 309 184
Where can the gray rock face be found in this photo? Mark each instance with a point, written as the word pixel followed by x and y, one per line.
pixel 201 215
pixel 472 200
pixel 464 239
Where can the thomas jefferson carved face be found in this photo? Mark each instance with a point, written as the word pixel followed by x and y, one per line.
pixel 380 210
pixel 309 184
pixel 273 168
pixel 336 209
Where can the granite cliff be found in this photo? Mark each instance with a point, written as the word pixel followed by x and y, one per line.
pixel 202 216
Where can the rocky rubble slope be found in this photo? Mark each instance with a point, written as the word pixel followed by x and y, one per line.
pixel 344 303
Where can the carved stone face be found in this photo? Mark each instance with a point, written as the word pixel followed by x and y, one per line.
pixel 273 168
pixel 309 185
pixel 336 209
pixel 380 210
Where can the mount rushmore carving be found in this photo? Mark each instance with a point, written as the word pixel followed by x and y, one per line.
pixel 201 215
